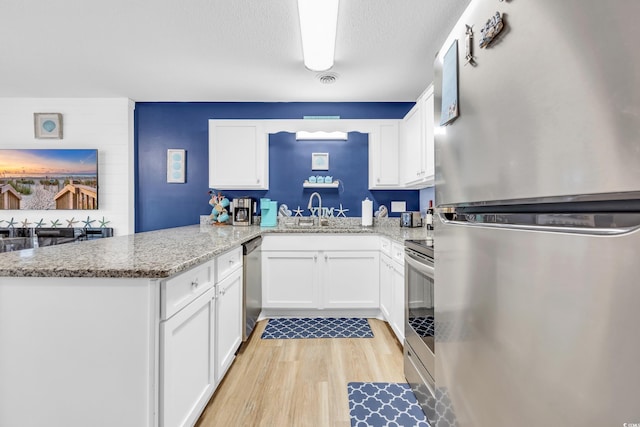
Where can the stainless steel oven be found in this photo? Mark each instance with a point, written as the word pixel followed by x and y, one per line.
pixel 419 349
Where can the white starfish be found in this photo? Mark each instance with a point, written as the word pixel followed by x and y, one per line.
pixel 342 211
pixel 25 223
pixel 71 222
pixel 298 212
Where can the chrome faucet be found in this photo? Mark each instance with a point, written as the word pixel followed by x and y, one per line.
pixel 309 206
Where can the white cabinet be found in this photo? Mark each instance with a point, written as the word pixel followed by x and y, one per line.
pixel 320 273
pixel 386 289
pixel 349 279
pixel 187 377
pixel 289 279
pixel 417 143
pixel 229 321
pixel 238 155
pixel 392 292
pixel 384 156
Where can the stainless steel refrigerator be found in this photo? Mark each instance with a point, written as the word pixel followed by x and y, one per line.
pixel 537 239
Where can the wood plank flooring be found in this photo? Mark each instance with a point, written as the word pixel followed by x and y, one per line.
pixel 301 382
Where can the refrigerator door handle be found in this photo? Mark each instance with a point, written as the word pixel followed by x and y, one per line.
pixel 590 231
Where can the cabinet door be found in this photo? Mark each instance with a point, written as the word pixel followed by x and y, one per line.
pixel 229 321
pixel 397 311
pixel 289 279
pixel 238 155
pixel 350 279
pixel 428 155
pixel 187 377
pixel 386 280
pixel 383 157
pixel 411 138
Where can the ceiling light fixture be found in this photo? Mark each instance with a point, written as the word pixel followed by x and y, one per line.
pixel 321 136
pixel 318 24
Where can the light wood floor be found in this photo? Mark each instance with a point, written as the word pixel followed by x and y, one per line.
pixel 301 382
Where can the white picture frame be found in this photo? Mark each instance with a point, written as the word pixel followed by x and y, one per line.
pixel 319 161
pixel 176 159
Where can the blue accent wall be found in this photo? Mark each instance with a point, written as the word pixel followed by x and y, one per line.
pixel 160 126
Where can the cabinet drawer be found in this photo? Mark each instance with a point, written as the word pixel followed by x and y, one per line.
pixel 228 262
pixel 385 246
pixel 178 291
pixel 397 252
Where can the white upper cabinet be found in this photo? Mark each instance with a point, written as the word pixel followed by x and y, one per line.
pixel 416 143
pixel 383 157
pixel 238 155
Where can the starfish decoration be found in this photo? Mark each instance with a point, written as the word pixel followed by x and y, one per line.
pixel 55 224
pixel 88 222
pixel 341 211
pixel 40 223
pixel 103 223
pixel 71 222
pixel 25 223
pixel 12 223
pixel 298 212
pixel 1 221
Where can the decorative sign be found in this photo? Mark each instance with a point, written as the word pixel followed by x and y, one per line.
pixel 491 29
pixel 449 110
pixel 175 166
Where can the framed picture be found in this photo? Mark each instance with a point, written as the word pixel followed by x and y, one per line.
pixel 319 161
pixel 175 166
pixel 47 125
pixel 449 108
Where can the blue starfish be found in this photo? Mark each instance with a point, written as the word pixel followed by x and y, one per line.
pixel 88 222
pixel 12 223
pixel 103 223
pixel 40 223
pixel 55 224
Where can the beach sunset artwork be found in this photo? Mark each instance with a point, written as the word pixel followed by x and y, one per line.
pixel 48 179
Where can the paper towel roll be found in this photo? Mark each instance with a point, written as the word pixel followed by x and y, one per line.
pixel 367 212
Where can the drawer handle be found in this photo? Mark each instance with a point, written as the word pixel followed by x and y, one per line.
pixel 194 283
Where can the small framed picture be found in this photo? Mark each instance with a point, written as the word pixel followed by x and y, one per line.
pixel 47 125
pixel 176 166
pixel 319 161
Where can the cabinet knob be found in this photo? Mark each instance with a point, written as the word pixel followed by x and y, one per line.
pixel 258 181
pixel 315 257
pixel 194 283
pixel 326 257
pixel 378 180
pixel 231 262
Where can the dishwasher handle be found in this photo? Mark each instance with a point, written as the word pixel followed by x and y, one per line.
pixel 251 245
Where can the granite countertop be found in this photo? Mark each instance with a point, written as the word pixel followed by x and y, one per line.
pixel 161 253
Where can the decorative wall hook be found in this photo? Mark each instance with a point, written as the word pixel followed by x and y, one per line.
pixel 468 43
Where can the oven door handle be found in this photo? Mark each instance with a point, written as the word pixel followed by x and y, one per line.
pixel 420 266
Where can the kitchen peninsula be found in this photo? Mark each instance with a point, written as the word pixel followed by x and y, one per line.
pixel 92 332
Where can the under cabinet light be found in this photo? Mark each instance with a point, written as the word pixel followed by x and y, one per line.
pixel 320 135
pixel 318 25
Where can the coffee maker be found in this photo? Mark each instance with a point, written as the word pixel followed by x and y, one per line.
pixel 243 211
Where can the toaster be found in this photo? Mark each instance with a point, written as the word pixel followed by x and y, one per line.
pixel 410 219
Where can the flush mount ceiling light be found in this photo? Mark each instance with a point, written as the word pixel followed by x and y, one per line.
pixel 320 135
pixel 318 23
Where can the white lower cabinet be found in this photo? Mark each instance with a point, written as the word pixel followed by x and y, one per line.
pixel 311 274
pixel 187 374
pixel 350 279
pixel 198 342
pixel 398 303
pixel 229 321
pixel 386 288
pixel 289 279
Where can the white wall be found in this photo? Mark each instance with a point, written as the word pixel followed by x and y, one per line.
pixel 102 124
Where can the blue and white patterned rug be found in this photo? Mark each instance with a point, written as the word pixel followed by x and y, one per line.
pixel 384 405
pixel 318 327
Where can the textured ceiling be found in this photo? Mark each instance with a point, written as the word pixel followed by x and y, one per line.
pixel 216 50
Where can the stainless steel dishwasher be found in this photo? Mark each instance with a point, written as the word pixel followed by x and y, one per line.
pixel 252 284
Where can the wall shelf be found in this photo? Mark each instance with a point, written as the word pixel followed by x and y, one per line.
pixel 308 184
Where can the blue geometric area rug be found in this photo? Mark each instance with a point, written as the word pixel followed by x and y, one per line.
pixel 384 405
pixel 318 327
